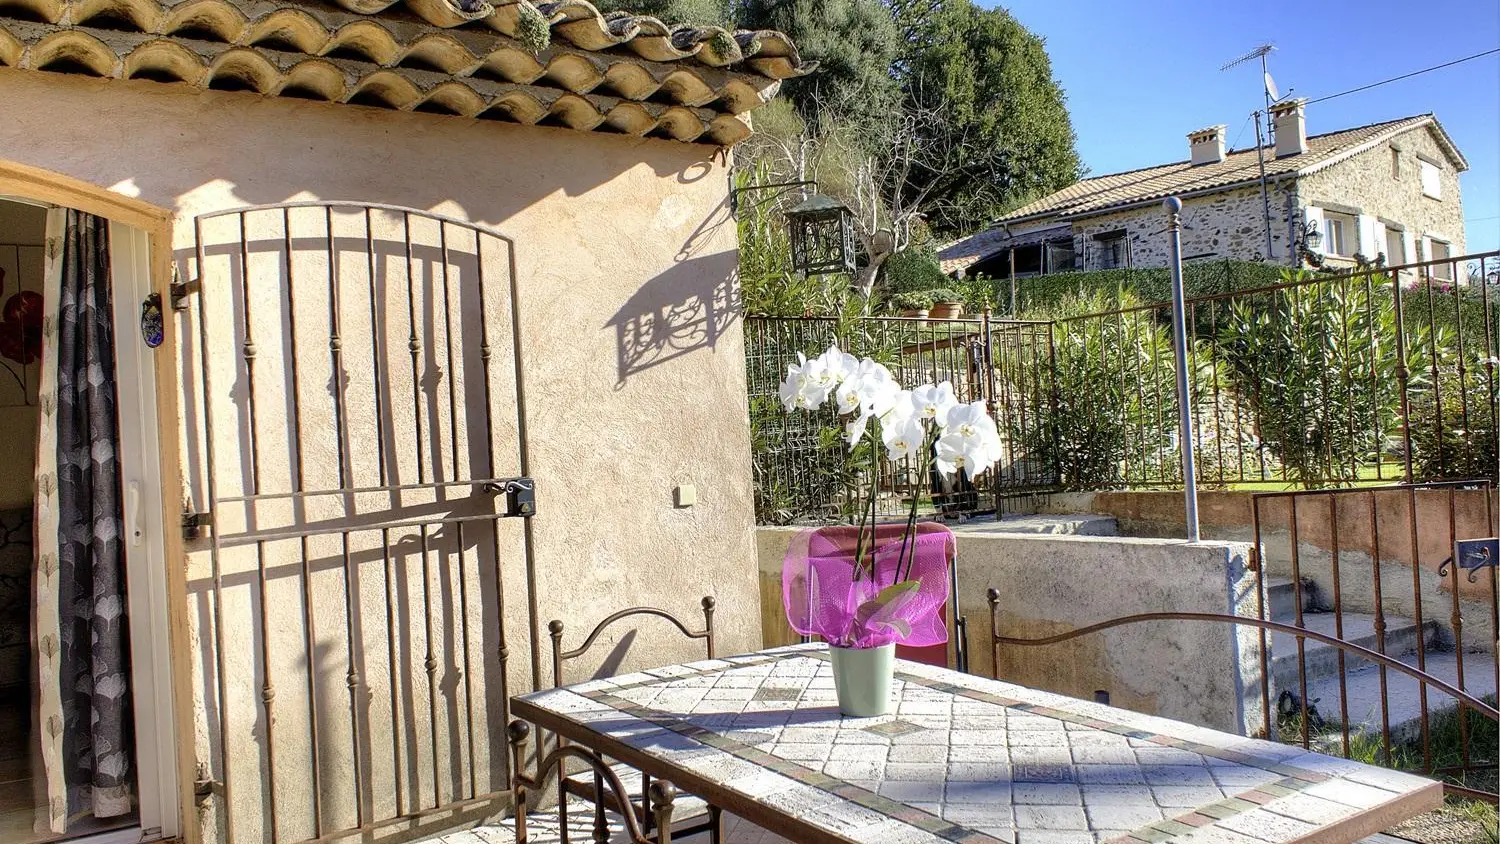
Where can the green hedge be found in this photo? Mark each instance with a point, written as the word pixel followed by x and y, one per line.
pixel 1147 285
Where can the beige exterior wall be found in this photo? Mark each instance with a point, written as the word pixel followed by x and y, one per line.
pixel 1365 187
pixel 624 256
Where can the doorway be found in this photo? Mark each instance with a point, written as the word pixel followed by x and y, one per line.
pixel 82 641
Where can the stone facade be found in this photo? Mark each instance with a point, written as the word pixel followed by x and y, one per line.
pixel 1366 186
pixel 1376 190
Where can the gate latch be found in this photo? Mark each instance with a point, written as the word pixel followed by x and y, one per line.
pixel 520 496
pixel 194 523
pixel 1474 554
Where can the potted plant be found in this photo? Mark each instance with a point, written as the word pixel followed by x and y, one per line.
pixel 865 588
pixel 946 303
pixel 912 304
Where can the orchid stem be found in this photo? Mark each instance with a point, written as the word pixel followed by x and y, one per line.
pixel 911 524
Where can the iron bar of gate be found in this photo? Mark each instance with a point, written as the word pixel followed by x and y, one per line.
pixel 215 556
pixel 249 323
pixel 340 400
pixel 1413 521
pixel 309 631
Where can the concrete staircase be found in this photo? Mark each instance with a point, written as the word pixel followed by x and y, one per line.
pixel 1362 677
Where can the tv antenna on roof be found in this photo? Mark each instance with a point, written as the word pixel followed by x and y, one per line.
pixel 1271 96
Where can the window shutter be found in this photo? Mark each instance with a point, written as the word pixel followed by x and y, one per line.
pixel 1371 236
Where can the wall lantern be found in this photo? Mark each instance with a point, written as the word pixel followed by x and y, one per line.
pixel 821 228
pixel 822 236
pixel 1309 239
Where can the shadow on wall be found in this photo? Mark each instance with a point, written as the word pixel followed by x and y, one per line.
pixel 682 310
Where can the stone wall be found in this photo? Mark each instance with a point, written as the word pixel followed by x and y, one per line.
pixel 1222 225
pixel 1364 186
pixel 1204 673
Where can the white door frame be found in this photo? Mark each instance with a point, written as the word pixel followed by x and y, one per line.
pixel 145 555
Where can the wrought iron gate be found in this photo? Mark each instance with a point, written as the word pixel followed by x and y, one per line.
pixel 355 444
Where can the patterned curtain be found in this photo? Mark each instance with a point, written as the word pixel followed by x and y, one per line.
pixel 83 709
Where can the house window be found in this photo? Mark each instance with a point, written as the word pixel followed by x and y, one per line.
pixel 1432 185
pixel 1060 255
pixel 1395 163
pixel 1395 247
pixel 1438 250
pixel 1340 235
pixel 1111 250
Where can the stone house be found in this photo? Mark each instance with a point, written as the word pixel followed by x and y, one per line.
pixel 1387 190
pixel 425 332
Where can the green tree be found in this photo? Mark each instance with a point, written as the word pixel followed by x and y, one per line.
pixel 688 12
pixel 1005 137
pixel 855 43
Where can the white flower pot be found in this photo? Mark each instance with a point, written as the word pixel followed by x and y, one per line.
pixel 862 677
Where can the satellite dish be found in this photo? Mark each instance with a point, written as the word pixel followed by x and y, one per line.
pixel 1271 88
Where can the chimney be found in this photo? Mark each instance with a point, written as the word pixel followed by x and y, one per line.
pixel 1207 145
pixel 1290 121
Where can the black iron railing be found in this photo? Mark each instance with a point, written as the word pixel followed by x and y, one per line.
pixel 1362 376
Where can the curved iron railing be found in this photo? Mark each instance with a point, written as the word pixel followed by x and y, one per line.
pixel 1465 699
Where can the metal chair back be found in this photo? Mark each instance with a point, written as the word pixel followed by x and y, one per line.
pixel 559 656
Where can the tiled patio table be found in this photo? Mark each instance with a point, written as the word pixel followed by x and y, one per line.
pixel 962 759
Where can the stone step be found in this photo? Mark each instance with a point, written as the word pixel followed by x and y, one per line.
pixel 1322 659
pixel 1082 524
pixel 1281 598
pixel 1403 693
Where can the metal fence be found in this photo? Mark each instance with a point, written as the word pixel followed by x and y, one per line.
pixel 1331 379
pixel 805 472
pixel 1370 375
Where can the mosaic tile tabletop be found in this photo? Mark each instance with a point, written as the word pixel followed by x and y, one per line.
pixel 964 759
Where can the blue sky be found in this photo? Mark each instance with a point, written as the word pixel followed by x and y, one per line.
pixel 1141 74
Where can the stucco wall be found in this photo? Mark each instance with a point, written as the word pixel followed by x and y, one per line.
pixel 1199 672
pixel 1364 185
pixel 634 378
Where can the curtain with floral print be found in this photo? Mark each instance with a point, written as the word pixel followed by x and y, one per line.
pixel 83 712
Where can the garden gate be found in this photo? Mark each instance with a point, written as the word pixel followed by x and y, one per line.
pixel 355 445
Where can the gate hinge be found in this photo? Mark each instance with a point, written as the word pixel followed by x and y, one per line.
pixel 203 785
pixel 520 496
pixel 183 289
pixel 194 523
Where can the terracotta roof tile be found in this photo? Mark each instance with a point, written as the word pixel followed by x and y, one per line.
pixel 617 72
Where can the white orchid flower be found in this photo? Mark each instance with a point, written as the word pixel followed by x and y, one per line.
pixel 934 402
pixel 877 389
pixel 819 379
pixel 791 388
pixel 847 395
pixel 951 457
pixel 855 430
pixel 904 438
pixel 841 364
pixel 970 440
pixel 970 421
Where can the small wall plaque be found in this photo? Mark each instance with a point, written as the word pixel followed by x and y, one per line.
pixel 152 325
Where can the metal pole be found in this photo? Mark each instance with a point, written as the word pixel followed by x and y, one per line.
pixel 1173 207
pixel 1265 197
